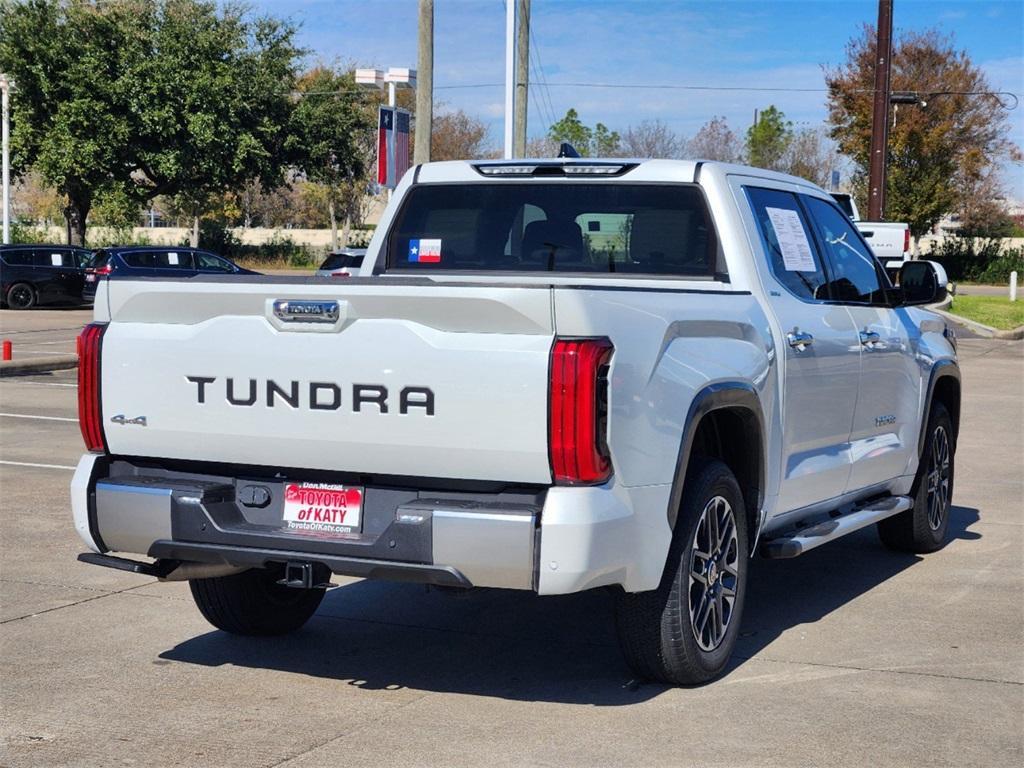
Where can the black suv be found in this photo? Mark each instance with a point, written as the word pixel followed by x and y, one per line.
pixel 40 275
pixel 155 261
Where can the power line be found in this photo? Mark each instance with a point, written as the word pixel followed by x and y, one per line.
pixel 736 88
pixel 645 86
pixel 546 92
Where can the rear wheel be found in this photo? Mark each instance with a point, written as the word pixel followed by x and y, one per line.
pixel 923 527
pixel 21 296
pixel 684 631
pixel 253 603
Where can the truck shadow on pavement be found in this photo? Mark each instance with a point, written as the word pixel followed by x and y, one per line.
pixel 512 645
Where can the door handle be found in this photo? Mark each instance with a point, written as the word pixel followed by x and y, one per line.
pixel 799 339
pixel 869 338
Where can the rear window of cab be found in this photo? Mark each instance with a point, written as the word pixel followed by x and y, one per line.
pixel 646 229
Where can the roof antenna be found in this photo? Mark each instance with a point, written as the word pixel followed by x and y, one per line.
pixel 567 150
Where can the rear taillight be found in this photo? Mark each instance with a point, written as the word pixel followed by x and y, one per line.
pixel 89 411
pixel 104 270
pixel 906 240
pixel 340 274
pixel 579 411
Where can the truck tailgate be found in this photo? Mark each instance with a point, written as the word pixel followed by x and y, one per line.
pixel 410 380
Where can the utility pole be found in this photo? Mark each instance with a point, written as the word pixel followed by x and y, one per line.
pixel 522 77
pixel 425 84
pixel 5 88
pixel 510 73
pixel 880 116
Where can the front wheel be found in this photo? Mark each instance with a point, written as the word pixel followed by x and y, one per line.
pixel 923 527
pixel 683 632
pixel 253 603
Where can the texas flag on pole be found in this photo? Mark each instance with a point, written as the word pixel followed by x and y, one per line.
pixel 392 146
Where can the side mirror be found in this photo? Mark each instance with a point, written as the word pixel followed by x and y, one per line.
pixel 922 282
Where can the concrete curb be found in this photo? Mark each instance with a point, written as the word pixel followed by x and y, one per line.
pixel 38 365
pixel 982 330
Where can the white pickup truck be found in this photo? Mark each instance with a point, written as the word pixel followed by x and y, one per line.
pixel 889 240
pixel 549 375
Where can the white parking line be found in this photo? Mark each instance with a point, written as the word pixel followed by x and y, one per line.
pixel 17 380
pixel 44 343
pixel 23 351
pixel 43 418
pixel 41 466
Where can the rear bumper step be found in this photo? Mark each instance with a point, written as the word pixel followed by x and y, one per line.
pixel 795 543
pixel 252 557
pixel 159 569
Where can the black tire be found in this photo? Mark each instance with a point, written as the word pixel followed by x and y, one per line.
pixel 923 527
pixel 21 296
pixel 657 629
pixel 252 603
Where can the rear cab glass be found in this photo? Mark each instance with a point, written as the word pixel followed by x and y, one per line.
pixel 647 229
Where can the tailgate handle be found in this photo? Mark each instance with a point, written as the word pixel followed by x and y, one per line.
pixel 304 311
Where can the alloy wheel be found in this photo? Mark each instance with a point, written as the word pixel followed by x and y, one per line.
pixel 714 573
pixel 938 478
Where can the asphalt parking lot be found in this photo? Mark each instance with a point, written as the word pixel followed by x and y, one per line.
pixel 849 655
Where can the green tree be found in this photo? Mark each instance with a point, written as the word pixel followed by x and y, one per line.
pixel 146 97
pixel 323 141
pixel 571 129
pixel 769 139
pixel 598 141
pixel 940 152
pixel 606 143
pixel 211 91
pixel 68 115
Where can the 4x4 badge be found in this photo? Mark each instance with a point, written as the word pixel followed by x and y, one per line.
pixel 139 421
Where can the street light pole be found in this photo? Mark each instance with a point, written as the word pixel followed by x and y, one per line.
pixel 880 114
pixel 510 74
pixel 5 88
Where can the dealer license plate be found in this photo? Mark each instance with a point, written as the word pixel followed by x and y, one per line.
pixel 321 508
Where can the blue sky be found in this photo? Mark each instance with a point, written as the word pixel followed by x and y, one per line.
pixel 725 43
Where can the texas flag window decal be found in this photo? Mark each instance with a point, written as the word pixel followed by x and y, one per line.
pixel 425 251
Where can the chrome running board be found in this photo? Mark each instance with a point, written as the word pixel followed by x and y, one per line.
pixel 795 543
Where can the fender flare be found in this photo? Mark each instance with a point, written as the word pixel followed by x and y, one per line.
pixel 942 369
pixel 724 394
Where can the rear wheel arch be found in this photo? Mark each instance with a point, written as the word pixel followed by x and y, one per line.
pixel 725 422
pixel 943 387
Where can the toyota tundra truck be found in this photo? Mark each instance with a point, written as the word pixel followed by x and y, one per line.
pixel 547 375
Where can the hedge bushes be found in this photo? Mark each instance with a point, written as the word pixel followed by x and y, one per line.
pixel 977 260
